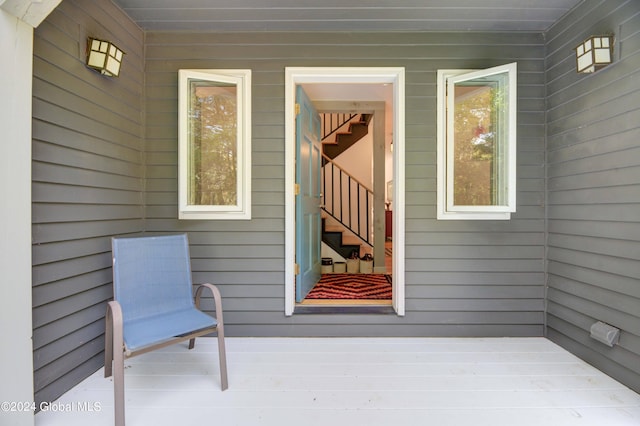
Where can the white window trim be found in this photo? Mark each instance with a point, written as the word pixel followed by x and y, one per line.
pixel 241 211
pixel 444 175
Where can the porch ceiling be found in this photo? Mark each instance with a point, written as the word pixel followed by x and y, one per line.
pixel 346 15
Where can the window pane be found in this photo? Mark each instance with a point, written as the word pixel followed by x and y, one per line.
pixel 477 120
pixel 213 143
pixel 479 141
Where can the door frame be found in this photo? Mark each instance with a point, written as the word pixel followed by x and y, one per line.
pixel 372 75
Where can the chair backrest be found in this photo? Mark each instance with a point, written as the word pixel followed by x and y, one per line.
pixel 151 275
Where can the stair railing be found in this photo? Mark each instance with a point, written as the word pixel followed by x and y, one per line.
pixel 347 200
pixel 332 122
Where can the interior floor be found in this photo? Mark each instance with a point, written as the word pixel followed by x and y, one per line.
pixel 388 260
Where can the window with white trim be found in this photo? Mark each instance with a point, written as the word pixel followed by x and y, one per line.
pixel 477 143
pixel 214 144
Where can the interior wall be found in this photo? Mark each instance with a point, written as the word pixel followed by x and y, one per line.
pixel 87 185
pixel 593 184
pixel 358 159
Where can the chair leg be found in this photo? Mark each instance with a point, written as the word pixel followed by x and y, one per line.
pixel 108 343
pixel 116 347
pixel 118 385
pixel 222 354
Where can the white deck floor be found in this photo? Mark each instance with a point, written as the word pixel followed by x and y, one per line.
pixel 356 381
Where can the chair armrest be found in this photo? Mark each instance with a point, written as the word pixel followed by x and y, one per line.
pixel 114 339
pixel 217 300
pixel 114 309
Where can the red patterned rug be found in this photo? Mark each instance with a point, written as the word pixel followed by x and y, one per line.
pixel 352 286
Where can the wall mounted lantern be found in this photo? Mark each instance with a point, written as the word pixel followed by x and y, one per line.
pixel 594 53
pixel 104 57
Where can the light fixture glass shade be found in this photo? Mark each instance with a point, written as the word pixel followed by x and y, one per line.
pixel 594 53
pixel 104 56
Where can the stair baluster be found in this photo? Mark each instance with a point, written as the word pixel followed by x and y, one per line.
pixel 333 189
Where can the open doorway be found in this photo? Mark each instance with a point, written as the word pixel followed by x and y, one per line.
pixel 355 167
pixel 377 92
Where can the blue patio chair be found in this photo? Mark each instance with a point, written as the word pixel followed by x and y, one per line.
pixel 153 305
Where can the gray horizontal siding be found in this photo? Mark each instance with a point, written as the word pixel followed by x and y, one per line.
pixel 594 189
pixel 87 186
pixel 462 278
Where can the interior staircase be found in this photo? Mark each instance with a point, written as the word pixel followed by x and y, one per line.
pixel 339 229
pixel 338 239
pixel 344 139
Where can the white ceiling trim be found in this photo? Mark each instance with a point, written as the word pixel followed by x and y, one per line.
pixel 31 12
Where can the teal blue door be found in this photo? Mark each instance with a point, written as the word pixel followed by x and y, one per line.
pixel 308 150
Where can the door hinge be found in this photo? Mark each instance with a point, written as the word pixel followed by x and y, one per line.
pixel 296 189
pixel 296 269
pixel 297 109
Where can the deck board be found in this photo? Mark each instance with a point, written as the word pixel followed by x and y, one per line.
pixel 342 381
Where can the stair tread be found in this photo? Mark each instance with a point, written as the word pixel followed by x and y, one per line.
pixel 354 241
pixel 338 134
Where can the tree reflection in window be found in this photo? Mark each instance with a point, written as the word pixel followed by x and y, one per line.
pixel 476 153
pixel 213 157
pixel 477 115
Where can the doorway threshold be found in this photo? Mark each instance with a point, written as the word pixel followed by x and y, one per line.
pixel 344 306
